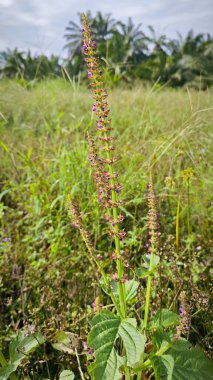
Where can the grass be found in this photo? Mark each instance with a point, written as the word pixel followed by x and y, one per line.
pixel 43 157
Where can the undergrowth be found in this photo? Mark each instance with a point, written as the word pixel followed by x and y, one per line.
pixel 46 282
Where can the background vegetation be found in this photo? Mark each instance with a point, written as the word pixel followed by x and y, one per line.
pixel 46 282
pixel 127 52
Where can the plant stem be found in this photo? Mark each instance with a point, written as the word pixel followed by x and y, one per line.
pixel 148 289
pixel 177 223
pixel 120 267
pixel 114 300
pixel 148 363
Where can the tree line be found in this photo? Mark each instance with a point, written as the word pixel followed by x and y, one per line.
pixel 128 54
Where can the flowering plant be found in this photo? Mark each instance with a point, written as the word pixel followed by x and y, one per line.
pixel 126 343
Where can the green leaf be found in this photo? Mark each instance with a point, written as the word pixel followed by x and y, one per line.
pixel 164 318
pixel 156 260
pixel 6 371
pixel 182 364
pixel 181 345
pixel 106 328
pixel 131 289
pixel 134 342
pixel 161 339
pixel 142 272
pixel 163 367
pixel 67 342
pixel 191 364
pixel 23 345
pixel 66 375
pixel 101 338
pixel 19 348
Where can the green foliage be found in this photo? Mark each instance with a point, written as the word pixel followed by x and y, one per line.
pixel 106 328
pixel 66 375
pixel 164 318
pixel 44 273
pixel 188 364
pixel 19 348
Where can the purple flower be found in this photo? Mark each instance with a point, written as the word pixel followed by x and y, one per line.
pixel 100 72
pixel 5 240
pixel 94 108
pixel 89 74
pixel 100 126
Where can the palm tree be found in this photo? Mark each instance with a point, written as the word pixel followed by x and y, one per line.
pixel 12 63
pixel 103 26
pixel 134 41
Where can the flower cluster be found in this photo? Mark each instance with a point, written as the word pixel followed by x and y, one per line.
pixel 104 176
pixel 185 319
pixel 97 306
pixel 76 218
pixel 152 218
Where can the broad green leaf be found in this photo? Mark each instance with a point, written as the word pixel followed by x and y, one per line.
pixel 102 338
pixel 134 342
pixel 164 318
pixel 163 367
pixel 106 328
pixel 67 375
pixel 191 364
pixel 181 345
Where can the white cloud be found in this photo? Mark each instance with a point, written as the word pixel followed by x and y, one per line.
pixel 6 3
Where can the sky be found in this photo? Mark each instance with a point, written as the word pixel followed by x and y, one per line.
pixel 39 25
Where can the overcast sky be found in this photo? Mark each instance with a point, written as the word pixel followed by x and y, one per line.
pixel 39 25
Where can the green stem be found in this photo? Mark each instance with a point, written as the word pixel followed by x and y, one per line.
pixel 148 289
pixel 106 282
pixel 148 362
pixel 119 264
pixel 177 223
